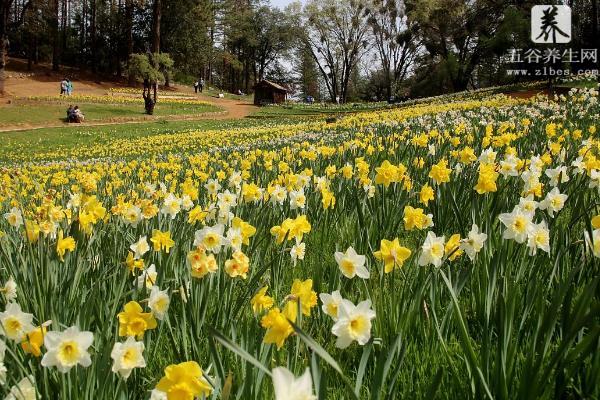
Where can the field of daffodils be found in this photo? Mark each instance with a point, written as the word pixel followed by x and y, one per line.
pixel 447 249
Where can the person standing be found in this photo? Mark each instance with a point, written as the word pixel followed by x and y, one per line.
pixel 201 85
pixel 63 86
pixel 196 87
pixel 69 87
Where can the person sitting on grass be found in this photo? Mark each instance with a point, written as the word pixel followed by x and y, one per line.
pixel 78 115
pixel 70 114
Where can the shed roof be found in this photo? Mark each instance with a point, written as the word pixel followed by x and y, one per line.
pixel 274 85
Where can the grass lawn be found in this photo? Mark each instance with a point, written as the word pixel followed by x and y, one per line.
pixel 214 92
pixel 294 110
pixel 28 112
pixel 579 85
pixel 72 135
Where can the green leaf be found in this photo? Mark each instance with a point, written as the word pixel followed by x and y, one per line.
pixel 225 341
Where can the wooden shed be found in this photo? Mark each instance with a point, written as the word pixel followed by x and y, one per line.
pixel 267 92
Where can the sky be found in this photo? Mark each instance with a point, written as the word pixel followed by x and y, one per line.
pixel 282 3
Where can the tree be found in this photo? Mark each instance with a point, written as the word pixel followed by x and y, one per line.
pixel 459 34
pixel 5 13
pixel 186 34
pixel 395 40
pixel 336 34
pixel 150 69
pixel 273 36
pixel 308 75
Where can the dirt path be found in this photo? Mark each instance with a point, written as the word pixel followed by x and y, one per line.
pixel 43 82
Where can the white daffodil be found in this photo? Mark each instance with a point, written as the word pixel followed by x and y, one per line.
pixel 303 180
pixel 488 156
pixel 235 239
pixel 508 166
pixel 538 238
pixel 517 225
pixel 14 217
pixel 536 164
pixel 351 264
pixel 159 302
pixel 224 216
pixel 473 243
pixel 235 179
pixel 147 278
pixel 297 199
pixel 186 202
pixel 297 251
pixel 278 195
pixel 171 205
pixel 579 165
pixel 212 186
pixel 127 356
pixel 149 189
pixel 432 250
pixel 369 190
pixel 156 394
pixel 553 202
pixel 67 349
pixel 132 215
pixel 74 201
pixel 353 324
pixel 557 175
pixel 288 387
pixel 594 242
pixel 9 290
pixel 140 247
pixel 528 206
pixel 321 182
pixel 2 366
pixel 595 179
pixel 23 390
pixel 211 237
pixel 226 200
pixel 15 323
pixel 331 303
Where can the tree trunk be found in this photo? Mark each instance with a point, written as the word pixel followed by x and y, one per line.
pixel 3 52
pixel 246 76
pixel 595 36
pixel 30 51
pixel 56 36
pixel 93 34
pixel 209 78
pixel 82 35
pixel 157 12
pixel 4 10
pixel 129 35
pixel 64 22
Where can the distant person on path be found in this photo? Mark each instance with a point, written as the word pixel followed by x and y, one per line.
pixel 201 85
pixel 63 86
pixel 196 84
pixel 69 87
